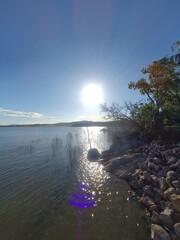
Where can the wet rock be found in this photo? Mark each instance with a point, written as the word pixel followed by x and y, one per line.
pixel 159 233
pixel 177 229
pixel 93 154
pixel 147 201
pixel 176 202
pixel 155 218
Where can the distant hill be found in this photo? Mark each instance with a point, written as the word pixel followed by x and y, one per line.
pixel 69 124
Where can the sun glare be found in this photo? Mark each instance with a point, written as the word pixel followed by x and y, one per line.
pixel 92 95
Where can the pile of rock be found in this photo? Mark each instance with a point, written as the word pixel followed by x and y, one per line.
pixel 156 181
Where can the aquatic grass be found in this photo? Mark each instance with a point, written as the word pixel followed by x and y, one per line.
pixel 28 147
pixel 73 152
pixel 70 151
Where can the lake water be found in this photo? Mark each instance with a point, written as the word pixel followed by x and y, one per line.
pixel 38 184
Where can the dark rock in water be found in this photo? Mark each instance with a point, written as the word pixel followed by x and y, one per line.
pixel 93 154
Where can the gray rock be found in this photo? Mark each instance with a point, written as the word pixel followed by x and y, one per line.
pixel 141 183
pixel 159 233
pixel 163 184
pixel 161 173
pixel 125 162
pixel 174 166
pixel 169 192
pixel 176 183
pixel 172 160
pixel 164 204
pixel 176 151
pixel 155 218
pixel 155 181
pixel 177 171
pixel 147 176
pixel 176 217
pixel 147 201
pixel 154 208
pixel 134 184
pixel 169 181
pixel 157 168
pixel 171 174
pixel 166 220
pixel 176 202
pixel 157 161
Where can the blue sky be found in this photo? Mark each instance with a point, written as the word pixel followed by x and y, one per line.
pixel 51 49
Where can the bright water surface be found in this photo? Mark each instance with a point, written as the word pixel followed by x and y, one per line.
pixel 37 181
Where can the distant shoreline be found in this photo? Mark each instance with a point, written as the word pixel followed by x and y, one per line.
pixel 66 124
pixel 72 124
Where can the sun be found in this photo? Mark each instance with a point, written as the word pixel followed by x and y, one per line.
pixel 92 95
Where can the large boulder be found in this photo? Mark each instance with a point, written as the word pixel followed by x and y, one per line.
pixel 93 154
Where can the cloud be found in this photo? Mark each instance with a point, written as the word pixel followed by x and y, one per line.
pixel 12 113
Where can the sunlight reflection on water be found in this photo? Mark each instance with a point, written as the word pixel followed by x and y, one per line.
pixel 36 187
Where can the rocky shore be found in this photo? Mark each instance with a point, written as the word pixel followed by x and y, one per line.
pixel 153 172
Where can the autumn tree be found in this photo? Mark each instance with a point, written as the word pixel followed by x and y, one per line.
pixel 161 87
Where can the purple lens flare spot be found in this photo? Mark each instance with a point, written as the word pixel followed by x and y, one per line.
pixel 81 198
